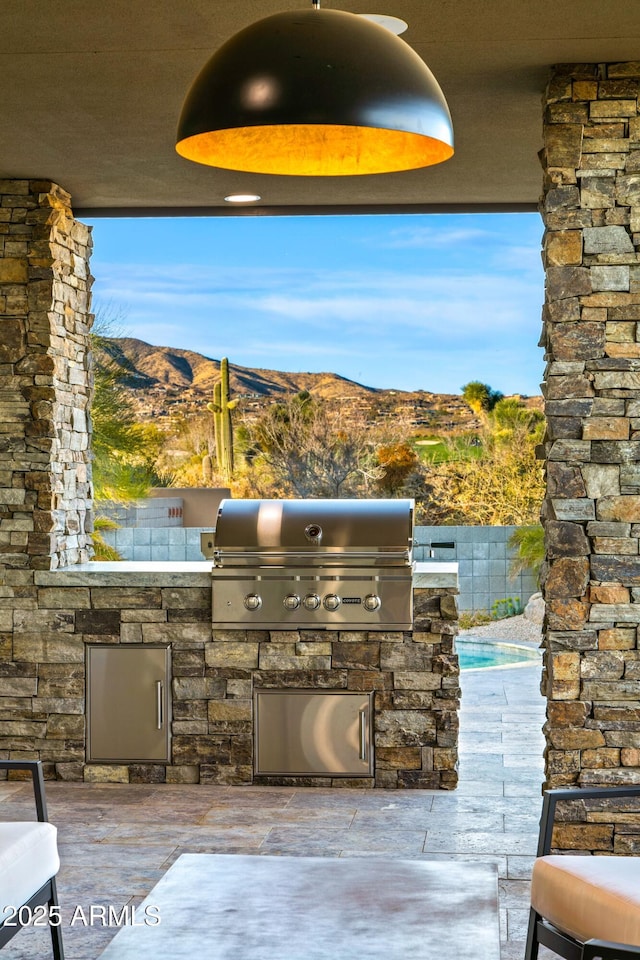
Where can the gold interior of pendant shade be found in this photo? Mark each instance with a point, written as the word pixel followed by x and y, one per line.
pixel 314 150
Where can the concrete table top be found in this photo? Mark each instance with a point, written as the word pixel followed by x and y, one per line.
pixel 315 908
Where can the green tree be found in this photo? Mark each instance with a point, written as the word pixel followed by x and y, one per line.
pixel 510 412
pixel 480 396
pixel 528 541
pixel 503 485
pixel 123 451
pixel 398 461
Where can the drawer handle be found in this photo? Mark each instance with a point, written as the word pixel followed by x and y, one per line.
pixel 362 719
pixel 159 704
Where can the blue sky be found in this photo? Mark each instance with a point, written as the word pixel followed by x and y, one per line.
pixel 407 302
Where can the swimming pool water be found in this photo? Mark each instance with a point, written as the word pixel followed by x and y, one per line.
pixel 474 655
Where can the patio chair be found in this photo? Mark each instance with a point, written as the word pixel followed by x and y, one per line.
pixel 28 864
pixel 583 907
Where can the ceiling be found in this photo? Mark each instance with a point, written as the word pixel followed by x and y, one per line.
pixel 92 91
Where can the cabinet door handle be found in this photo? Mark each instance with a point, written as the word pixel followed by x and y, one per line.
pixel 159 704
pixel 362 719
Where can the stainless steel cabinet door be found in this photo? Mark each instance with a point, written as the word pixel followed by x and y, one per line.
pixel 128 703
pixel 299 732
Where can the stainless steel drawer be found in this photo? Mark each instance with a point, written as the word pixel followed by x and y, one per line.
pixel 322 733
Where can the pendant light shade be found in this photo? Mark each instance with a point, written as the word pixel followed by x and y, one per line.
pixel 315 93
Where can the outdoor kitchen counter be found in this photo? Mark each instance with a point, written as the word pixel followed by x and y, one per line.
pixel 94 612
pixel 432 573
pixel 129 573
pixel 193 573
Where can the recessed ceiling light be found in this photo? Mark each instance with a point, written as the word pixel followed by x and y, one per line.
pixel 394 24
pixel 243 198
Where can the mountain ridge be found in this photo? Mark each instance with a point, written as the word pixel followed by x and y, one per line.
pixel 145 364
pixel 166 383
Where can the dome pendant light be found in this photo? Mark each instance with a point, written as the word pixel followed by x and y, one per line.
pixel 315 93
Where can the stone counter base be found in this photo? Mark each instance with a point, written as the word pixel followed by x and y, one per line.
pixel 49 617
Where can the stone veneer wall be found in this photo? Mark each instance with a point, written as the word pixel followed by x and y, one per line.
pixel 48 615
pixel 45 474
pixel 591 211
pixel 415 676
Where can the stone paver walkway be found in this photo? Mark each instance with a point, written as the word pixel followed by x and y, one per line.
pixel 116 841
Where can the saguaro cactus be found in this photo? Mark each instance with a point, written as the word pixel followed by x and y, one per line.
pixel 221 409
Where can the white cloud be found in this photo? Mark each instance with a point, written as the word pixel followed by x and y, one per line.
pixel 431 237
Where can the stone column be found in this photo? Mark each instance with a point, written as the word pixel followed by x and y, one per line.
pixel 45 473
pixel 591 212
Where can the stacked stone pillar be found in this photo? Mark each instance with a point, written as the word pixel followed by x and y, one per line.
pixel 591 212
pixel 45 474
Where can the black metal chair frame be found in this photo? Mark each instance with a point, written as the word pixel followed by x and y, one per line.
pixel 48 893
pixel 540 930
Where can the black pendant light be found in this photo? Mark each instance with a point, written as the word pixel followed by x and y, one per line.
pixel 315 93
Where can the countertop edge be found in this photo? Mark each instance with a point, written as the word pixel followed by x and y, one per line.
pixel 192 573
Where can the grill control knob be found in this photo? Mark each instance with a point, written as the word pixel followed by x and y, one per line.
pixel 371 602
pixel 291 602
pixel 252 601
pixel 331 602
pixel 311 601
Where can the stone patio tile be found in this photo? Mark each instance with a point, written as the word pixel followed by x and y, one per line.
pixel 514 893
pixel 522 789
pixel 499 862
pixel 300 847
pixel 464 803
pixel 517 923
pixel 527 763
pixel 168 836
pixel 123 877
pixel 396 843
pixel 145 855
pixel 245 796
pixel 132 793
pixel 74 831
pixel 487 770
pixel 325 816
pixel 230 849
pixel 12 791
pixel 484 820
pixel 133 813
pixel 18 809
pixel 480 842
pixel 479 788
pixel 519 868
pixel 470 752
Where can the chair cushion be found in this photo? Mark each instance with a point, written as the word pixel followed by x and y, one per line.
pixel 28 858
pixel 589 897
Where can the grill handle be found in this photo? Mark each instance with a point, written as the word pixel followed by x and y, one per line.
pixel 256 558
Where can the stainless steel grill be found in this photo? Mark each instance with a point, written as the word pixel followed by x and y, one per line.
pixel 282 564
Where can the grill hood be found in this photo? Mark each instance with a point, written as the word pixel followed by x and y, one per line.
pixel 313 564
pixel 313 532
